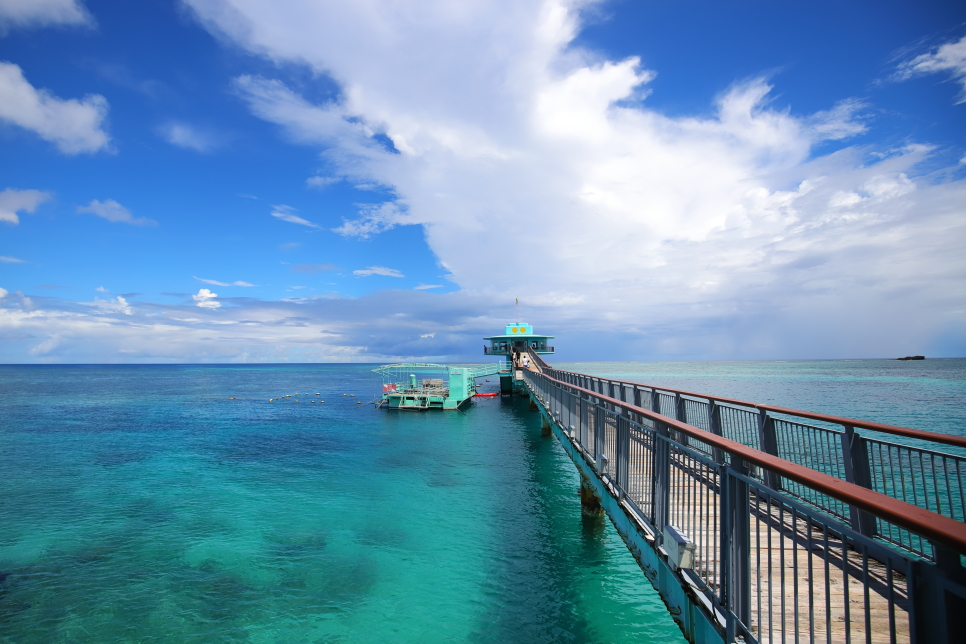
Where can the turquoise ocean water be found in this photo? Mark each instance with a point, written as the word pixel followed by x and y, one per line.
pixel 141 504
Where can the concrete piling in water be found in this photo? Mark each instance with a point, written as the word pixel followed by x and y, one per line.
pixel 533 404
pixel 589 501
pixel 545 428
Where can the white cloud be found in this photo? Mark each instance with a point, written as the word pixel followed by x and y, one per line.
pixel 423 287
pixel 47 346
pixel 74 126
pixel 42 13
pixel 530 171
pixel 378 270
pixel 302 121
pixel 101 289
pixel 188 136
pixel 3 293
pixel 13 201
pixel 117 305
pixel 840 122
pixel 6 259
pixel 114 212
pixel 321 182
pixel 206 299
pixel 949 57
pixel 217 283
pixel 428 335
pixel 285 214
pixel 376 218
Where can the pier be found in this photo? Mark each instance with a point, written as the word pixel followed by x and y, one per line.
pixel 761 524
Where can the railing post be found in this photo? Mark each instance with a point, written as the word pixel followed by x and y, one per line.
pixel 855 457
pixel 637 403
pixel 714 422
pixel 655 401
pixel 600 431
pixel 735 545
pixel 680 414
pixel 768 443
pixel 936 611
pixel 661 476
pixel 623 453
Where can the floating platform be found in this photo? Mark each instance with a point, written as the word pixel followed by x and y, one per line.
pixel 417 386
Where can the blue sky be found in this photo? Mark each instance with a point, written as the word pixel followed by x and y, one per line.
pixel 237 180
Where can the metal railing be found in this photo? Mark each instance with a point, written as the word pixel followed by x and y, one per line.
pixel 505 351
pixel 776 555
pixel 918 474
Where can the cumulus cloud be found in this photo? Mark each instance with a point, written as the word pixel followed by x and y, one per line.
pixel 949 57
pixel 184 135
pixel 21 13
pixel 217 283
pixel 114 212
pixel 6 259
pixel 74 126
pixel 285 214
pixel 101 289
pixel 206 299
pixel 3 293
pixel 14 201
pixel 530 171
pixel 378 270
pixel 424 287
pixel 532 165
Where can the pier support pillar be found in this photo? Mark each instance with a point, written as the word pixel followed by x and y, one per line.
pixel 533 403
pixel 589 501
pixel 545 427
pixel 506 385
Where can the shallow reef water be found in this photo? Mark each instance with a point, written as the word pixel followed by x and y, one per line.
pixel 143 504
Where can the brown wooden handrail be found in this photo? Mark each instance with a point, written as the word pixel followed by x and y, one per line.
pixel 926 523
pixel 897 430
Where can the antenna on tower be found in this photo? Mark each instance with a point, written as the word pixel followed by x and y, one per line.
pixel 518 310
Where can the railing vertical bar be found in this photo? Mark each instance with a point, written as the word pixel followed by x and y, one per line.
pixel 892 602
pixel 781 567
pixel 865 585
pixel 962 498
pixel 845 590
pixel 771 594
pixel 811 582
pixel 795 569
pixel 935 484
pixel 828 587
pixel 925 484
pixel 758 560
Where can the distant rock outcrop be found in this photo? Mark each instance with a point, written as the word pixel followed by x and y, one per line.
pixel 912 358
